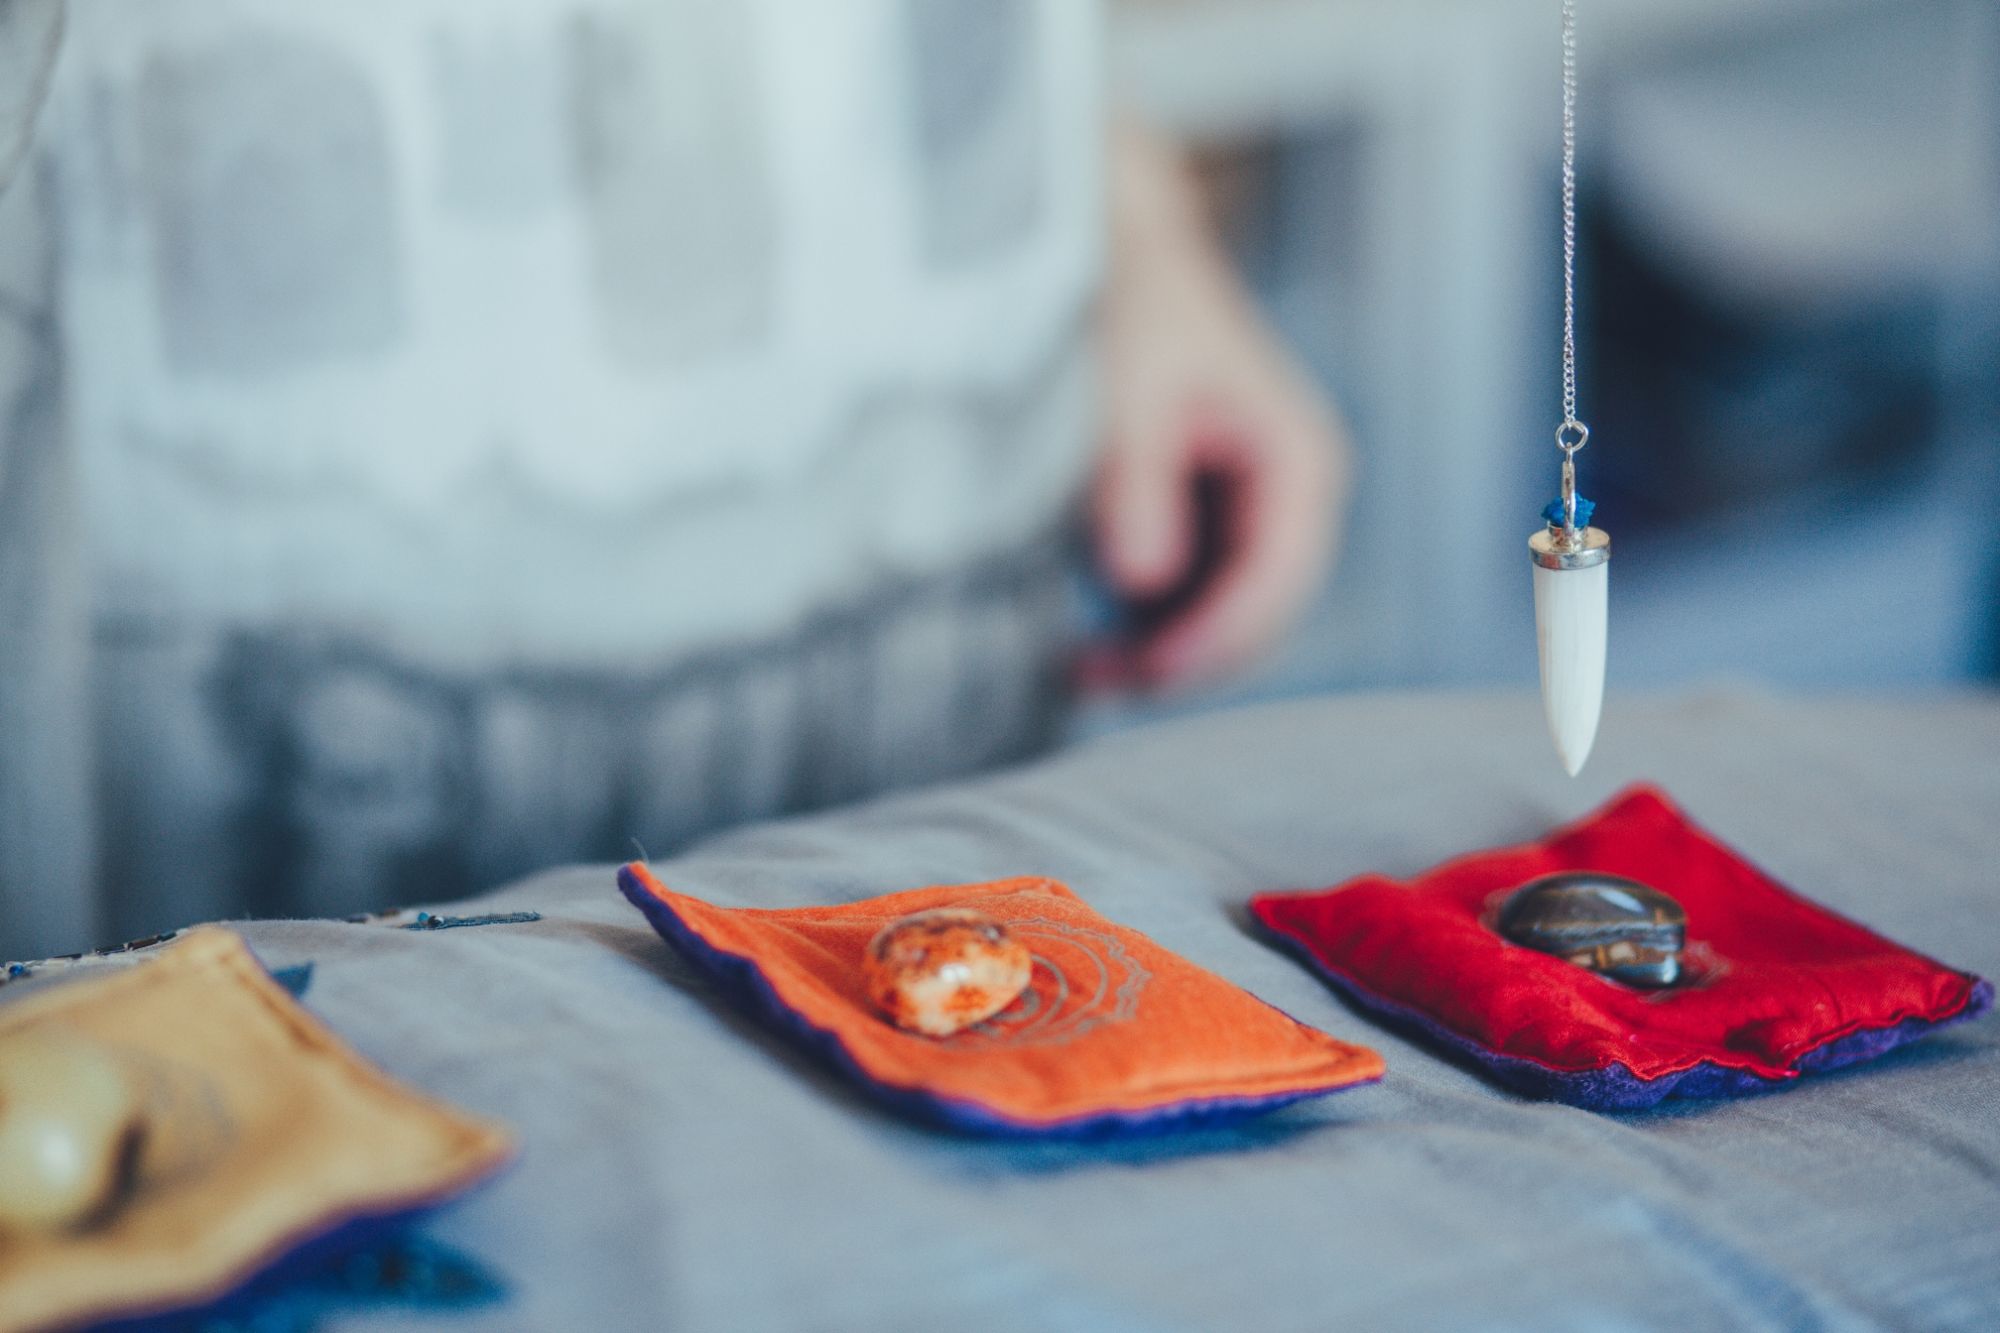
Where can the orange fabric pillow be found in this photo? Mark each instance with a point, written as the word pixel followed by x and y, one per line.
pixel 1114 1034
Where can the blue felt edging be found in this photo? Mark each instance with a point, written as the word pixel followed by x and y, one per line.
pixel 745 983
pixel 256 1302
pixel 1616 1087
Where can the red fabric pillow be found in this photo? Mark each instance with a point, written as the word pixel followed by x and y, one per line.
pixel 1779 986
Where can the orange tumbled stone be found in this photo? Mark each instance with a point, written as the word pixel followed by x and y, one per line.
pixel 941 971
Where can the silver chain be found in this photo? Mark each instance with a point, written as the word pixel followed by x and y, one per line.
pixel 1569 212
pixel 1572 434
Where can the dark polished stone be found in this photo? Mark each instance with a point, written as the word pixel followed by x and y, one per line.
pixel 1616 927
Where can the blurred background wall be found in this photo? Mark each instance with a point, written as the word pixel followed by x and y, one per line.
pixel 1790 270
pixel 1790 287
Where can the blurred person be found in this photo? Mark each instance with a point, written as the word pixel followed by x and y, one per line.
pixel 440 439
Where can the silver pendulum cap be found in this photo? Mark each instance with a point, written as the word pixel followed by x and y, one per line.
pixel 1572 584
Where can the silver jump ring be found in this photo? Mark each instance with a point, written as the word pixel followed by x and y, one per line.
pixel 1564 432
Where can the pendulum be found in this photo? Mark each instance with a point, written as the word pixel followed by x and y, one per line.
pixel 1571 558
pixel 1572 577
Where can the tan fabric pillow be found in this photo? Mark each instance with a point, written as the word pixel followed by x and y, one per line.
pixel 263 1130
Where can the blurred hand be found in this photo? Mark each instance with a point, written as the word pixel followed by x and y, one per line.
pixel 1223 472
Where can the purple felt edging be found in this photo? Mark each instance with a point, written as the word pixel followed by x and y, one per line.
pixel 745 984
pixel 1616 1087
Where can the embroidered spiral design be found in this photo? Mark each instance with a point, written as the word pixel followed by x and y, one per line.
pixel 1083 979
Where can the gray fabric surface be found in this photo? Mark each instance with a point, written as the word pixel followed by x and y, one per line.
pixel 683 1169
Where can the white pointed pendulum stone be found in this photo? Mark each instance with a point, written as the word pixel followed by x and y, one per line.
pixel 1572 582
